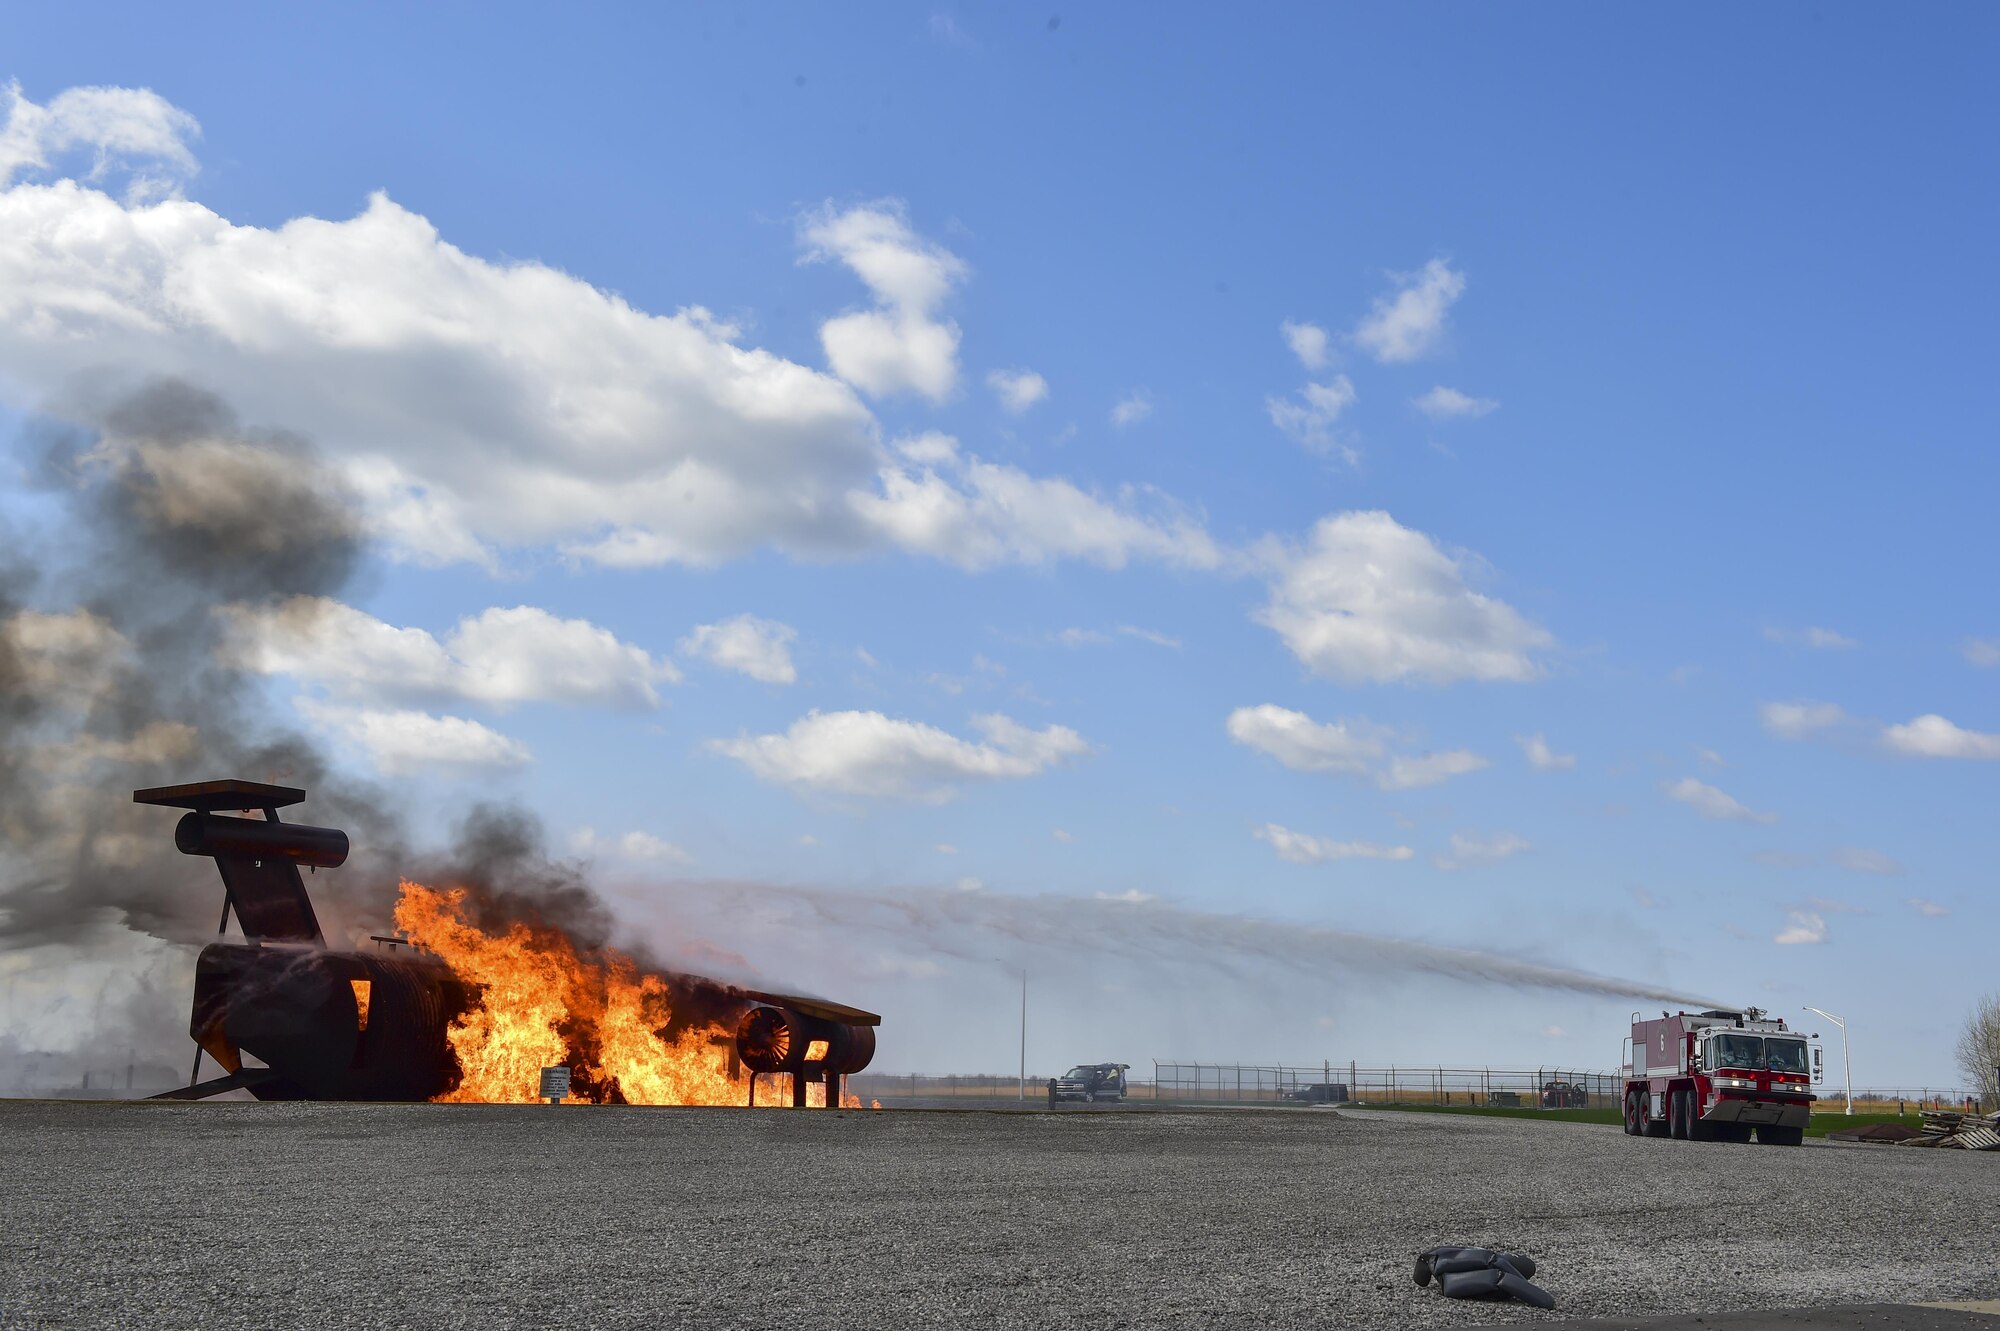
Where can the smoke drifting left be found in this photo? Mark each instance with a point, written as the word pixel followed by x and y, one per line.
pixel 167 507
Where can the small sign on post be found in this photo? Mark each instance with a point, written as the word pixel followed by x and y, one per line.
pixel 555 1084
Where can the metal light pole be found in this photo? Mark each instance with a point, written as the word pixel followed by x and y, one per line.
pixel 1846 1072
pixel 1024 1033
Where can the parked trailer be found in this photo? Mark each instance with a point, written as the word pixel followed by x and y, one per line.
pixel 1719 1075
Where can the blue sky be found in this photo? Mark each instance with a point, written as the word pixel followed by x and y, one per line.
pixel 1709 291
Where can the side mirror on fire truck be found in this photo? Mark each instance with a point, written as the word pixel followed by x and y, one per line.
pixel 1819 1065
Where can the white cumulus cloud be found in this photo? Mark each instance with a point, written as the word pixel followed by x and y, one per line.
pixel 1356 748
pixel 1369 600
pixel 1303 744
pixel 480 406
pixel 1410 773
pixel 1799 720
pixel 901 345
pixel 1131 409
pixel 1802 926
pixel 1710 802
pixel 1856 859
pixel 646 846
pixel 1308 342
pixel 501 656
pixel 1310 418
pixel 1983 652
pixel 1825 640
pixel 1017 389
pixel 121 127
pixel 1541 757
pixel 636 847
pixel 1447 404
pixel 978 514
pixel 1407 324
pixel 1301 848
pixel 1154 636
pixel 867 753
pixel 1470 850
pixel 401 741
pixel 1932 736
pixel 759 648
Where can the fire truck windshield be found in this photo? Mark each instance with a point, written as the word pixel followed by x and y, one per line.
pixel 1754 1051
pixel 1785 1055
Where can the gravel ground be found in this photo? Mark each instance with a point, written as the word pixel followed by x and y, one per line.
pixel 382 1216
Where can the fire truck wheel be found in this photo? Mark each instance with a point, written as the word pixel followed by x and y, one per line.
pixel 1655 1127
pixel 1631 1113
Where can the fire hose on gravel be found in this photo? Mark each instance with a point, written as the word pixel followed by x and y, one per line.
pixel 1482 1273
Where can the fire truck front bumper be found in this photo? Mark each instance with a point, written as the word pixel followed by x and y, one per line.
pixel 1776 1111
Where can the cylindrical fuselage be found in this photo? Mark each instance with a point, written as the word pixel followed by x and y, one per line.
pixel 254 839
pixel 333 1025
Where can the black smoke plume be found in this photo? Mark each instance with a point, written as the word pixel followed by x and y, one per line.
pixel 168 510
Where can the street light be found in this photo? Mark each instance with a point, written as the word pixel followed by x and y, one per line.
pixel 1846 1073
pixel 1024 1033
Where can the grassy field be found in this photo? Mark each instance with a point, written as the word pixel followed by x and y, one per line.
pixel 1821 1123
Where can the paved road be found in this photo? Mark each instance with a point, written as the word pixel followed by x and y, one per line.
pixel 257 1216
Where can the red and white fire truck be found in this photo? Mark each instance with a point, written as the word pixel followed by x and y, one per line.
pixel 1714 1076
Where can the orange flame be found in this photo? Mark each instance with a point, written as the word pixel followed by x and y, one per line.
pixel 540 1003
pixel 362 990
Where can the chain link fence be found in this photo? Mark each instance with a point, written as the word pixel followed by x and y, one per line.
pixel 889 1087
pixel 1551 1087
pixel 1246 1083
pixel 1336 1083
pixel 1897 1099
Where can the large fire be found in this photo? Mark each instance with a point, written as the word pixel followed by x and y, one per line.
pixel 539 1002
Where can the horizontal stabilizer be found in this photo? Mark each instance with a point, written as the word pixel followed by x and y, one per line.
pixel 219 796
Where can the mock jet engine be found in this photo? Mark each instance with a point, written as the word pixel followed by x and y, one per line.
pixel 328 1024
pixel 806 1038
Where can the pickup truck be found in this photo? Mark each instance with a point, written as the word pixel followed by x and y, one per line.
pixel 1090 1082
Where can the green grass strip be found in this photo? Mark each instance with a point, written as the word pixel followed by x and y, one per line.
pixel 1821 1124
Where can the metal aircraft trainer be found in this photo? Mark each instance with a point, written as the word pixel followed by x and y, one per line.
pixel 332 1024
